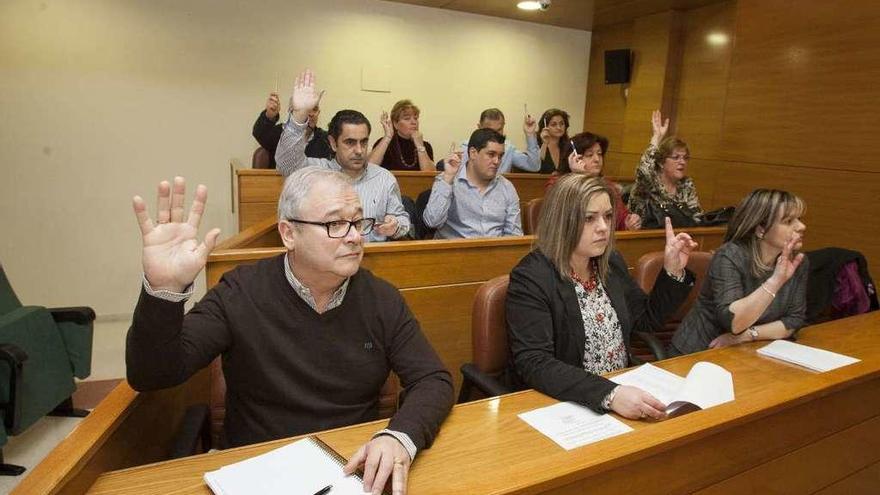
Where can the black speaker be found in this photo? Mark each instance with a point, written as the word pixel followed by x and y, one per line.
pixel 617 65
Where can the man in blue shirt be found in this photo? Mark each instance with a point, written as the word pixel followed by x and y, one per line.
pixel 473 199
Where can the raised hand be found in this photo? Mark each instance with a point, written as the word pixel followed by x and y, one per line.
pixel 305 96
pixel 677 251
pixel 545 135
pixel 387 126
pixel 172 255
pixel 451 165
pixel 273 106
pixel 659 126
pixel 786 265
pixel 530 125
pixel 575 164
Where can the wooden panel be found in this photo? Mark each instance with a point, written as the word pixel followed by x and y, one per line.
pixel 803 88
pixel 864 482
pixel 655 42
pixel 768 420
pixel 704 73
pixel 444 313
pixel 817 465
pixel 250 214
pixel 255 186
pixel 606 103
pixel 842 208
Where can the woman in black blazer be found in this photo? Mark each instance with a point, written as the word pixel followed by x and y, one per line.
pixel 573 276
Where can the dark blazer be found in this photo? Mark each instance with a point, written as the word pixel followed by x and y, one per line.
pixel 267 132
pixel 546 331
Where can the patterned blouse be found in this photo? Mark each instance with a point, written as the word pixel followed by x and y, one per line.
pixel 648 188
pixel 604 349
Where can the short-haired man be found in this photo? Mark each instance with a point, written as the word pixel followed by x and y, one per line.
pixel 473 200
pixel 267 131
pixel 528 161
pixel 307 337
pixel 349 135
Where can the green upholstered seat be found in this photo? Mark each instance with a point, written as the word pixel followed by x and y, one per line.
pixel 41 351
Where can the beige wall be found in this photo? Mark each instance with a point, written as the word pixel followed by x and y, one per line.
pixel 102 99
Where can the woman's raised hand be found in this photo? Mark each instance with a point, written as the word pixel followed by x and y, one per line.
pixel 659 126
pixel 677 251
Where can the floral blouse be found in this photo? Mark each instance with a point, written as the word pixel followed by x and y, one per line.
pixel 648 188
pixel 604 349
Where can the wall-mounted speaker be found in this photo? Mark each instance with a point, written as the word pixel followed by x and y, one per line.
pixel 617 66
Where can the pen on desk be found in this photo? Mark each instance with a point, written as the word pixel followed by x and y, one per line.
pixel 325 490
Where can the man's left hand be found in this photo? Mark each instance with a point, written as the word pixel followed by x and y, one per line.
pixel 381 458
pixel 388 227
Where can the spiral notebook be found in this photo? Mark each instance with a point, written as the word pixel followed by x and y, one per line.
pixel 303 467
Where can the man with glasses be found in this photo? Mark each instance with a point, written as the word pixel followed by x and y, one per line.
pixel 349 134
pixel 308 338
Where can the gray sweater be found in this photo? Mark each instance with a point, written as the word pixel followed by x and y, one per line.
pixel 729 279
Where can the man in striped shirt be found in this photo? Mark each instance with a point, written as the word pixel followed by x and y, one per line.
pixel 349 134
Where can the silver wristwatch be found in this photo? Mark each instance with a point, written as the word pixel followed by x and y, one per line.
pixel 753 332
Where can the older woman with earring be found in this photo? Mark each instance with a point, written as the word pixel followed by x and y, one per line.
pixel 572 305
pixel 662 187
pixel 403 147
pixel 757 280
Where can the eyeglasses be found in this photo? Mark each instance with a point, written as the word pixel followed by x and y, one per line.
pixel 340 228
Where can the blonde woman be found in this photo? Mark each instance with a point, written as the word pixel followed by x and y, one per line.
pixel 403 147
pixel 572 305
pixel 757 281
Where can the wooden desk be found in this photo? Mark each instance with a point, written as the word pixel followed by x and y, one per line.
pixel 438 278
pixel 789 430
pixel 258 190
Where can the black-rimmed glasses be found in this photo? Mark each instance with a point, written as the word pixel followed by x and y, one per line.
pixel 340 228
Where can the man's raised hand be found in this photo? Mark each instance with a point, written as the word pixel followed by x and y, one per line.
pixel 305 96
pixel 172 255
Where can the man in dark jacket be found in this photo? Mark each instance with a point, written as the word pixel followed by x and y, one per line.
pixel 267 131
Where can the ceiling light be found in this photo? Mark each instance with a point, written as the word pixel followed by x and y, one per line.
pixel 534 5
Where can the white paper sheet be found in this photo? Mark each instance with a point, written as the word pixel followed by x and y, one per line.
pixel 706 385
pixel 571 425
pixel 300 468
pixel 662 384
pixel 806 356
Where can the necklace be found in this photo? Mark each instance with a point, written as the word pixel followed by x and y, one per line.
pixel 588 285
pixel 400 153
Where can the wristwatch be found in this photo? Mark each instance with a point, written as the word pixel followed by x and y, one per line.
pixel 421 149
pixel 753 332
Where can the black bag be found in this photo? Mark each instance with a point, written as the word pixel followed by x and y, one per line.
pixel 718 217
pixel 656 213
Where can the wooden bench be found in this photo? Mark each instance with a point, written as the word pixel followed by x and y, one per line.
pixel 258 190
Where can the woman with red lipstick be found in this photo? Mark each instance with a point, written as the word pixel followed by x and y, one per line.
pixel 572 305
pixel 403 147
pixel 662 187
pixel 757 281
